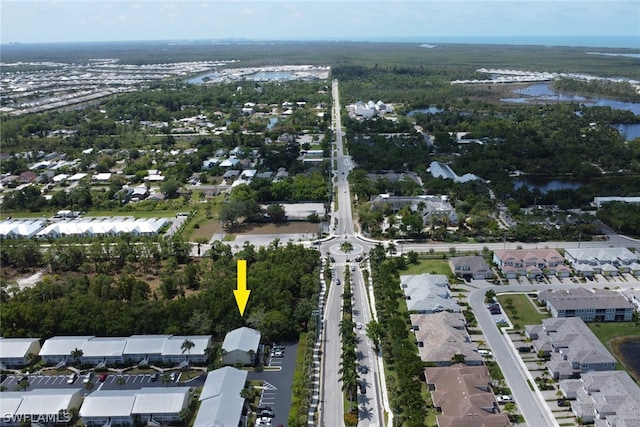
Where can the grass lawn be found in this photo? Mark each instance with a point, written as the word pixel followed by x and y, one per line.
pixel 207 228
pixel 523 311
pixel 613 333
pixel 434 266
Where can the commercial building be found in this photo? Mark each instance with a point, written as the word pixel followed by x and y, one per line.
pixel 597 305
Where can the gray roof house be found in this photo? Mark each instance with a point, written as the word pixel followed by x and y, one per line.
pixel 428 293
pixel 597 305
pixel 609 398
pixel 220 401
pixel 241 346
pixel 441 336
pixel 473 267
pixel 14 352
pixel 606 261
pixel 573 347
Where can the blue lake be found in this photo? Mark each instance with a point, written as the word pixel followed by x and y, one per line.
pixel 548 184
pixel 541 92
pixel 430 110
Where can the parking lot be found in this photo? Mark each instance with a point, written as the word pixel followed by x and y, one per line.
pixel 277 379
pixel 112 382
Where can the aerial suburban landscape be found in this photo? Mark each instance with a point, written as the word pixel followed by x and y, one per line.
pixel 242 233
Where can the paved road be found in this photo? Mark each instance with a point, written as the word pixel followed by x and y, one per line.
pixel 531 405
pixel 331 407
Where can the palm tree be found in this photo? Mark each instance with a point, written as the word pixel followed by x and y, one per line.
pixel 187 345
pixel 184 414
pixel 166 379
pixel 89 386
pixel 76 354
pixel 349 384
pixel 510 409
pixel 120 381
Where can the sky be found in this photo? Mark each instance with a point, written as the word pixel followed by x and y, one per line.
pixel 30 21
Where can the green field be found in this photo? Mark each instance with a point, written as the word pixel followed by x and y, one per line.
pixel 433 266
pixel 522 311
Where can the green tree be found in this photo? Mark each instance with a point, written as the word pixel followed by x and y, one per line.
pixel 187 345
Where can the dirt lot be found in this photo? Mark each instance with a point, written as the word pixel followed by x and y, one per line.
pixel 292 227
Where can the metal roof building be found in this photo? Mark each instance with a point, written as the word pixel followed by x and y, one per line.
pixel 241 345
pixel 16 229
pixel 52 405
pixel 14 351
pixel 220 401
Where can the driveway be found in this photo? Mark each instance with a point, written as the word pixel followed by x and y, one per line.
pixel 278 384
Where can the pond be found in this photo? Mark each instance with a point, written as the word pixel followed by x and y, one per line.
pixel 630 132
pixel 627 349
pixel 545 185
pixel 542 92
pixel 430 110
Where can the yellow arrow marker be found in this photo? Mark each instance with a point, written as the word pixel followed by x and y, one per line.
pixel 242 293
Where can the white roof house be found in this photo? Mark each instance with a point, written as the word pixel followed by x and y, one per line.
pixel 220 401
pixel 98 349
pixel 102 404
pixel 91 227
pixel 14 351
pixel 40 402
pixel 241 346
pixel 15 229
pixel 57 349
pixel 143 346
pixel 173 351
pixel 428 293
pixel 162 404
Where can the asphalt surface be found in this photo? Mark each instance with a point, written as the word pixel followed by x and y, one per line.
pixel 278 384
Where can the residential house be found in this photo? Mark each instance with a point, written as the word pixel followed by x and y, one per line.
pixel 597 305
pixel 220 401
pixel 144 349
pixel 442 336
pixel 51 406
pixel 531 263
pixel 28 177
pixel 17 352
pixel 241 346
pixel 428 293
pixel 609 398
pixel 463 397
pixel 20 229
pixel 470 267
pixel 149 405
pixel 606 261
pixel 174 350
pixel 573 348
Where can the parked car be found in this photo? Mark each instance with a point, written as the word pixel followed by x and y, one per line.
pixel 500 320
pixel 87 377
pixel 358 325
pixel 103 377
pixel 505 398
pixel 154 377
pixel 72 378
pixel 175 376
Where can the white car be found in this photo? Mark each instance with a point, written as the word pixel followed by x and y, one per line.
pixel 72 378
pixel 358 325
pixel 505 398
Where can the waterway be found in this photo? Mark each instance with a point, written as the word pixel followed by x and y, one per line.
pixel 548 184
pixel 542 92
pixel 627 350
